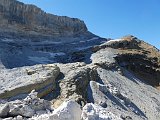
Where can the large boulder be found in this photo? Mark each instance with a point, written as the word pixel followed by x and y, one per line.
pixel 16 83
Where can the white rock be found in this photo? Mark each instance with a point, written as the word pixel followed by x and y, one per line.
pixel 10 118
pixel 114 40
pixel 19 117
pixel 95 112
pixel 69 110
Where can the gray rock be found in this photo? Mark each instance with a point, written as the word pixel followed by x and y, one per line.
pixel 4 109
pixel 23 80
pixel 27 111
pixel 19 117
pixel 118 94
pixel 128 93
pixel 74 84
pixel 21 109
pixel 29 18
pixel 28 107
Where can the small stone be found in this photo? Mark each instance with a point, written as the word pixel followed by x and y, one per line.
pixel 19 117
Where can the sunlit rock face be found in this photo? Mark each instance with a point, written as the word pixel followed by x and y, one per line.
pixel 31 19
pixel 31 36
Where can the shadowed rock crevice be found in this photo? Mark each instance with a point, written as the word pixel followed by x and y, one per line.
pixel 143 67
pixel 56 92
pixel 74 85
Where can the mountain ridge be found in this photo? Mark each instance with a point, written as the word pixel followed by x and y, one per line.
pixel 17 16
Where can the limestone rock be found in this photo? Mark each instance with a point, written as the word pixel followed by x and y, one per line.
pixel 28 107
pixel 20 109
pixel 111 99
pixel 69 110
pixel 4 109
pixel 19 117
pixel 74 85
pixel 20 81
pixel 95 112
pixel 132 54
pixel 32 20
pixel 132 68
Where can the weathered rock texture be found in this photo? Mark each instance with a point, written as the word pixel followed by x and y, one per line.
pixel 133 54
pixel 16 17
pixel 109 82
pixel 125 67
pixel 69 110
pixel 95 112
pixel 28 107
pixel 20 81
pixel 75 82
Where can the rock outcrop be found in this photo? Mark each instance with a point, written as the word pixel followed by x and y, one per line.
pixel 16 83
pixel 75 82
pixel 132 54
pixel 127 64
pixel 31 36
pixel 22 19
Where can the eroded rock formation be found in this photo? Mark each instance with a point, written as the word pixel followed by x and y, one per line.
pixel 18 82
pixel 16 17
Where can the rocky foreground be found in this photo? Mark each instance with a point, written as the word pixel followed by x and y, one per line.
pixel 33 108
pixel 112 86
pixel 53 68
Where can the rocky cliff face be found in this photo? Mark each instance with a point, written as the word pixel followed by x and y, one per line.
pixel 29 19
pixel 32 36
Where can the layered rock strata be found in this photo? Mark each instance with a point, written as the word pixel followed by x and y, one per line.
pixel 17 82
pixel 19 18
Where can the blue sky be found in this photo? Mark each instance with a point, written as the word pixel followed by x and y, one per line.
pixel 111 18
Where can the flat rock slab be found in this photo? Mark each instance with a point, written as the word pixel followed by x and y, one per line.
pixel 20 81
